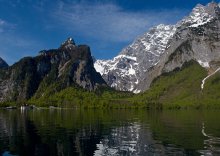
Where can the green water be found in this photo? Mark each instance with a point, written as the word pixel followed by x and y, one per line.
pixel 109 132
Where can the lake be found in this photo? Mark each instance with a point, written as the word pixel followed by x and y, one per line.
pixel 109 132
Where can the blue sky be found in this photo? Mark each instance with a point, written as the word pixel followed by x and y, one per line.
pixel 107 26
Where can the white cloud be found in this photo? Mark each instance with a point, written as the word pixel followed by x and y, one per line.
pixel 108 21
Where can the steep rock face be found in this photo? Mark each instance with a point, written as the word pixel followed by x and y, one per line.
pixel 196 37
pixel 128 69
pixel 3 64
pixel 69 65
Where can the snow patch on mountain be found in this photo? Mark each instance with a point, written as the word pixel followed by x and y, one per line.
pixel 131 67
pixel 203 64
pixel 201 15
pixel 100 66
pixel 136 58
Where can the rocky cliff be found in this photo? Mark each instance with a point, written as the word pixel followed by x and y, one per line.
pixel 196 38
pixel 69 65
pixel 165 48
pixel 128 69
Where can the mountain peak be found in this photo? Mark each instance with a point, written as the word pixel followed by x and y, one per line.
pixel 144 58
pixel 213 3
pixel 198 7
pixel 126 70
pixel 213 8
pixel 3 64
pixel 201 15
pixel 68 42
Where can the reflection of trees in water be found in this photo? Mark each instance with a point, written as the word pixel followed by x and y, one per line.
pixel 57 132
pixel 19 134
pixel 211 143
pixel 22 136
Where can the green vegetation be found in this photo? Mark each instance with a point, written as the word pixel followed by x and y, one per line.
pixel 179 89
pixel 81 98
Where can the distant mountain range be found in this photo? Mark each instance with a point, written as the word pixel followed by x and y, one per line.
pixel 175 65
pixel 164 48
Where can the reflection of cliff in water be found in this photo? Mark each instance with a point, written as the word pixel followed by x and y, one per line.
pixel 13 131
pixel 21 136
pixel 211 143
pixel 108 132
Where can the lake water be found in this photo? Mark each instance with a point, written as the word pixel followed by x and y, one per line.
pixel 109 132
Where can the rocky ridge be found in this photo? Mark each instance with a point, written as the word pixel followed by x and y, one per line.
pixel 165 48
pixel 69 65
pixel 128 69
pixel 196 39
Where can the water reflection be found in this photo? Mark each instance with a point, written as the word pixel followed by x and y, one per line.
pixel 109 132
pixel 6 153
pixel 211 143
pixel 122 140
pixel 133 139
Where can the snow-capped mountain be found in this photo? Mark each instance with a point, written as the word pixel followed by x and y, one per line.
pixel 165 48
pixel 196 39
pixel 201 29
pixel 200 15
pixel 127 69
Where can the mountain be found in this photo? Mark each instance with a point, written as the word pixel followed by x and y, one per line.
pixel 128 69
pixel 181 88
pixel 3 64
pixel 165 48
pixel 68 66
pixel 174 66
pixel 196 38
